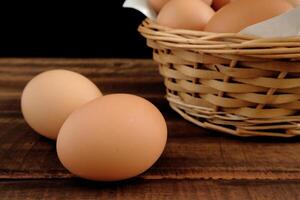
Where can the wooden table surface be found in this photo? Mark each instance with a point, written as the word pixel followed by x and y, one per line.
pixel 196 164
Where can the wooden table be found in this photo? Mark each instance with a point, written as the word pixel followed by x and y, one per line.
pixel 196 164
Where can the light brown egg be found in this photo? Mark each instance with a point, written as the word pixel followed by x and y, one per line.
pixel 157 4
pixel 295 3
pixel 50 97
pixel 208 2
pixel 185 14
pixel 114 137
pixel 217 4
pixel 240 14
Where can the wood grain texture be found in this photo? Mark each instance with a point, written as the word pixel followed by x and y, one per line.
pixel 196 162
pixel 144 189
pixel 24 154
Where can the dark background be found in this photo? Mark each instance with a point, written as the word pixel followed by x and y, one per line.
pixel 73 29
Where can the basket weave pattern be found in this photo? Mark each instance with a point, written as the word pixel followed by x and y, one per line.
pixel 236 84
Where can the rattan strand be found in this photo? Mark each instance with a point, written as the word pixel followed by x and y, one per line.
pixel 236 84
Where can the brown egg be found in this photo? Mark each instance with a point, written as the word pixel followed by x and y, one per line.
pixel 240 14
pixel 157 4
pixel 114 137
pixel 295 3
pixel 185 14
pixel 50 97
pixel 217 4
pixel 208 2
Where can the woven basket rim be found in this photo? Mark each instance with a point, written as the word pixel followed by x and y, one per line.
pixel 187 31
pixel 221 43
pixel 170 30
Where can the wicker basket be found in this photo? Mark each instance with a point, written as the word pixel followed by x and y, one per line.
pixel 236 84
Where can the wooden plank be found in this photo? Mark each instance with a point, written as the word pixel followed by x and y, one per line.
pixel 196 154
pixel 145 189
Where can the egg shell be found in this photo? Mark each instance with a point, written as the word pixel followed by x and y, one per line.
pixel 208 2
pixel 295 3
pixel 50 97
pixel 217 4
pixel 157 4
pixel 240 14
pixel 114 137
pixel 185 14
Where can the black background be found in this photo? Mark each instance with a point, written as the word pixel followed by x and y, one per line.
pixel 71 29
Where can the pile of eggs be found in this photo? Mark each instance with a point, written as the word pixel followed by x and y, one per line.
pixel 219 16
pixel 103 138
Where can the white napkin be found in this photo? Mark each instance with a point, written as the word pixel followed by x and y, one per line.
pixel 285 25
pixel 142 6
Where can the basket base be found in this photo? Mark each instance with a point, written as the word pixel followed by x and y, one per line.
pixel 237 125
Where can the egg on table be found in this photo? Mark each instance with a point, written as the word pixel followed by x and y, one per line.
pixel 239 14
pixel 50 97
pixel 111 138
pixel 185 14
